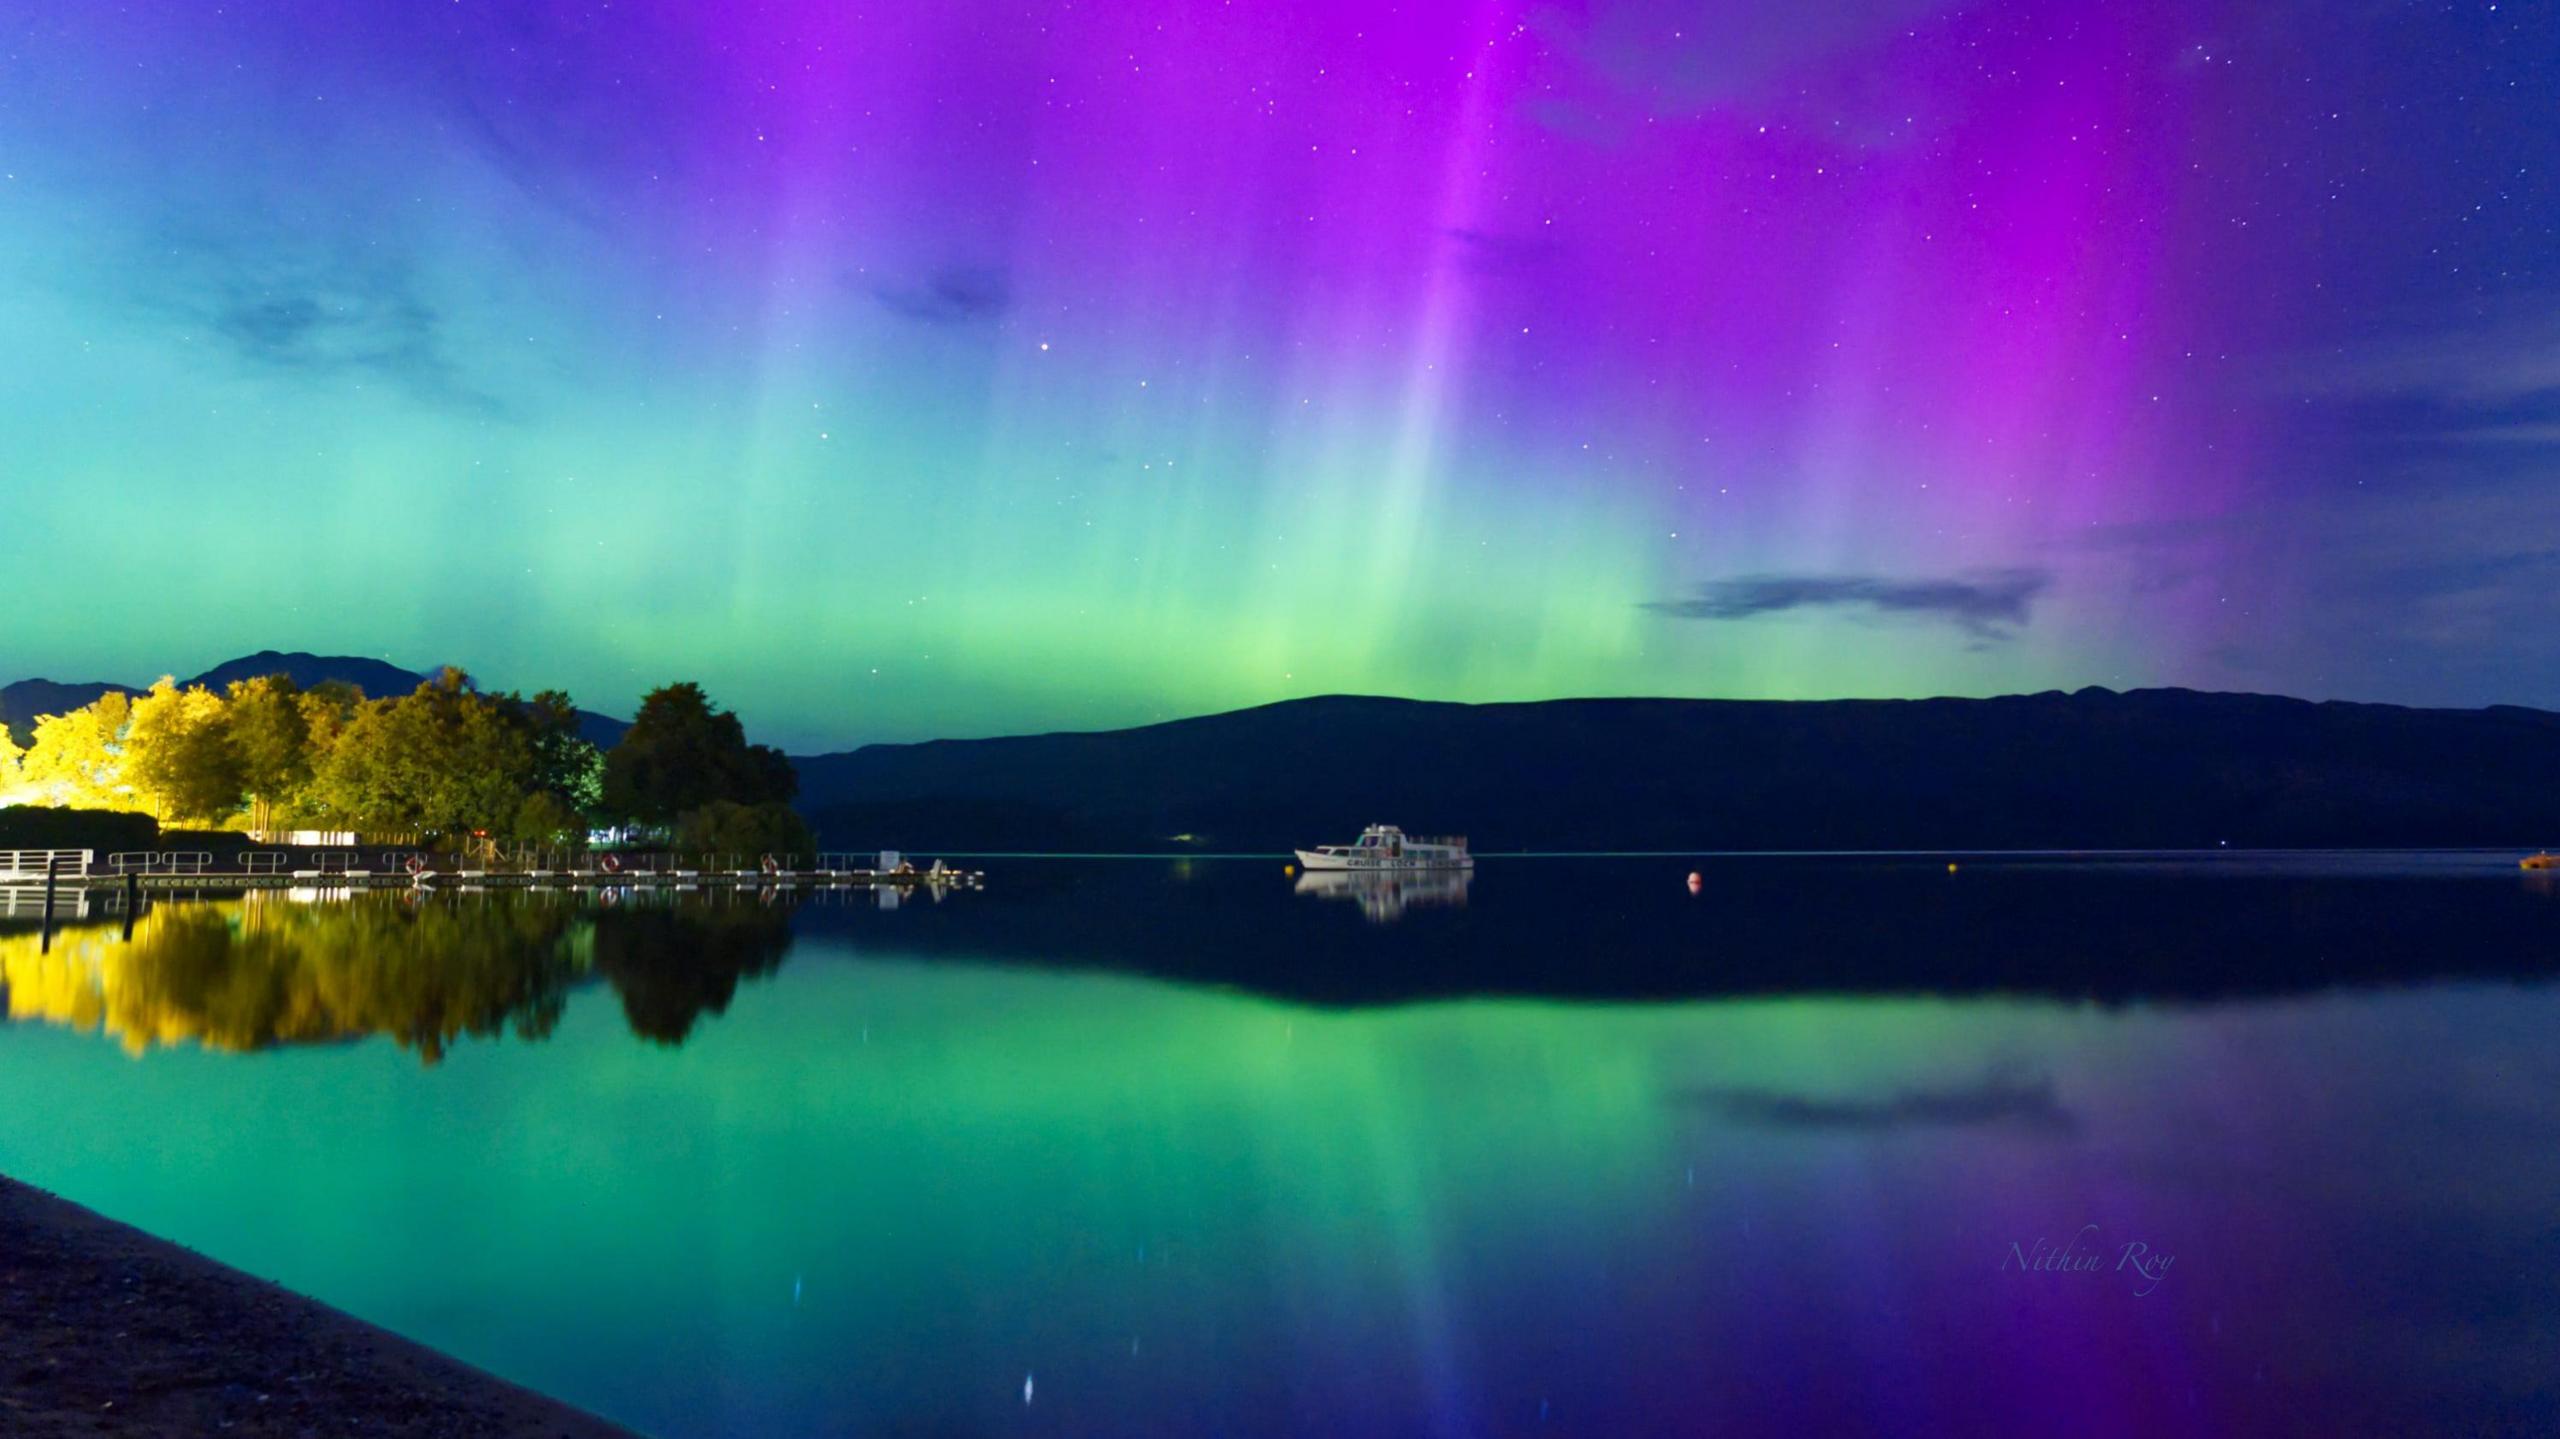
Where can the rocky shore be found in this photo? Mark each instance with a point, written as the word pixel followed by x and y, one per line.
pixel 106 1330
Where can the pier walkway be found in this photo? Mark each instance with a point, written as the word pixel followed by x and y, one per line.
pixel 74 872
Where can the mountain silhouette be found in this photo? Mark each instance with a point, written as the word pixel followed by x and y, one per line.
pixel 2091 769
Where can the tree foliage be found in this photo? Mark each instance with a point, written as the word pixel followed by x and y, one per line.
pixel 747 830
pixel 443 760
pixel 178 753
pixel 269 721
pixel 684 752
pixel 564 765
pixel 547 819
pixel 78 759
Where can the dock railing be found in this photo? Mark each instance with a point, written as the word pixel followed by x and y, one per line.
pixel 168 861
pixel 26 864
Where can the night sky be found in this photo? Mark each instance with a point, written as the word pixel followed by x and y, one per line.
pixel 954 368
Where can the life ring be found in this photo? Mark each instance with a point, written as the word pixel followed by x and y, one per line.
pixel 772 865
pixel 417 864
pixel 613 864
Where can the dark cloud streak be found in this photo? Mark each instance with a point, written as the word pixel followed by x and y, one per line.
pixel 1496 250
pixel 1988 604
pixel 1998 1098
pixel 961 295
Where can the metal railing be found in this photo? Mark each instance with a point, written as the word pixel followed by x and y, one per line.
pixel 175 861
pixel 70 863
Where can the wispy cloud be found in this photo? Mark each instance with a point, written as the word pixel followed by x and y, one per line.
pixel 2527 432
pixel 1998 1098
pixel 2459 364
pixel 287 305
pixel 1987 604
pixel 960 295
pixel 1733 49
pixel 1504 250
pixel 1643 59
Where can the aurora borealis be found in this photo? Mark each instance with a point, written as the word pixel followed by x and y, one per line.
pixel 916 370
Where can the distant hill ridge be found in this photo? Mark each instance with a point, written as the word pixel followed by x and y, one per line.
pixel 2091 769
pixel 23 701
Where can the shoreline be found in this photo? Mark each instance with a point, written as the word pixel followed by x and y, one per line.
pixel 105 1329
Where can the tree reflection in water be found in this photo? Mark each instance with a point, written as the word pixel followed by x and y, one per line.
pixel 671 963
pixel 425 971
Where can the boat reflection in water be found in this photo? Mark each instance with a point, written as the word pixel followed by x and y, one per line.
pixel 1385 894
pixel 271 969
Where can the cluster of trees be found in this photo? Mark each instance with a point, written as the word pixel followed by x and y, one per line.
pixel 443 761
pixel 685 770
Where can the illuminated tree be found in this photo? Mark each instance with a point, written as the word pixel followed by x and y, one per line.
pixel 78 758
pixel 444 759
pixel 178 753
pixel 270 726
pixel 441 759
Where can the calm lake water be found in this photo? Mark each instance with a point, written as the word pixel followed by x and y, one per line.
pixel 1138 1147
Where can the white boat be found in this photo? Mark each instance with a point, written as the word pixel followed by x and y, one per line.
pixel 1383 846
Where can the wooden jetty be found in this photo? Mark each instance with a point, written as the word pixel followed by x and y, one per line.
pixel 80 872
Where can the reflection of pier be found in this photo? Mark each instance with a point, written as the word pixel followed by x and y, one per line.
pixel 20 900
pixel 1384 894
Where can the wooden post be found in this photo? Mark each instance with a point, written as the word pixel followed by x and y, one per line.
pixel 132 900
pixel 52 870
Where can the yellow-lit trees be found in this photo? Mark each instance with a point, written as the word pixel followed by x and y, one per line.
pixel 441 758
pixel 269 720
pixel 444 759
pixel 179 756
pixel 78 759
